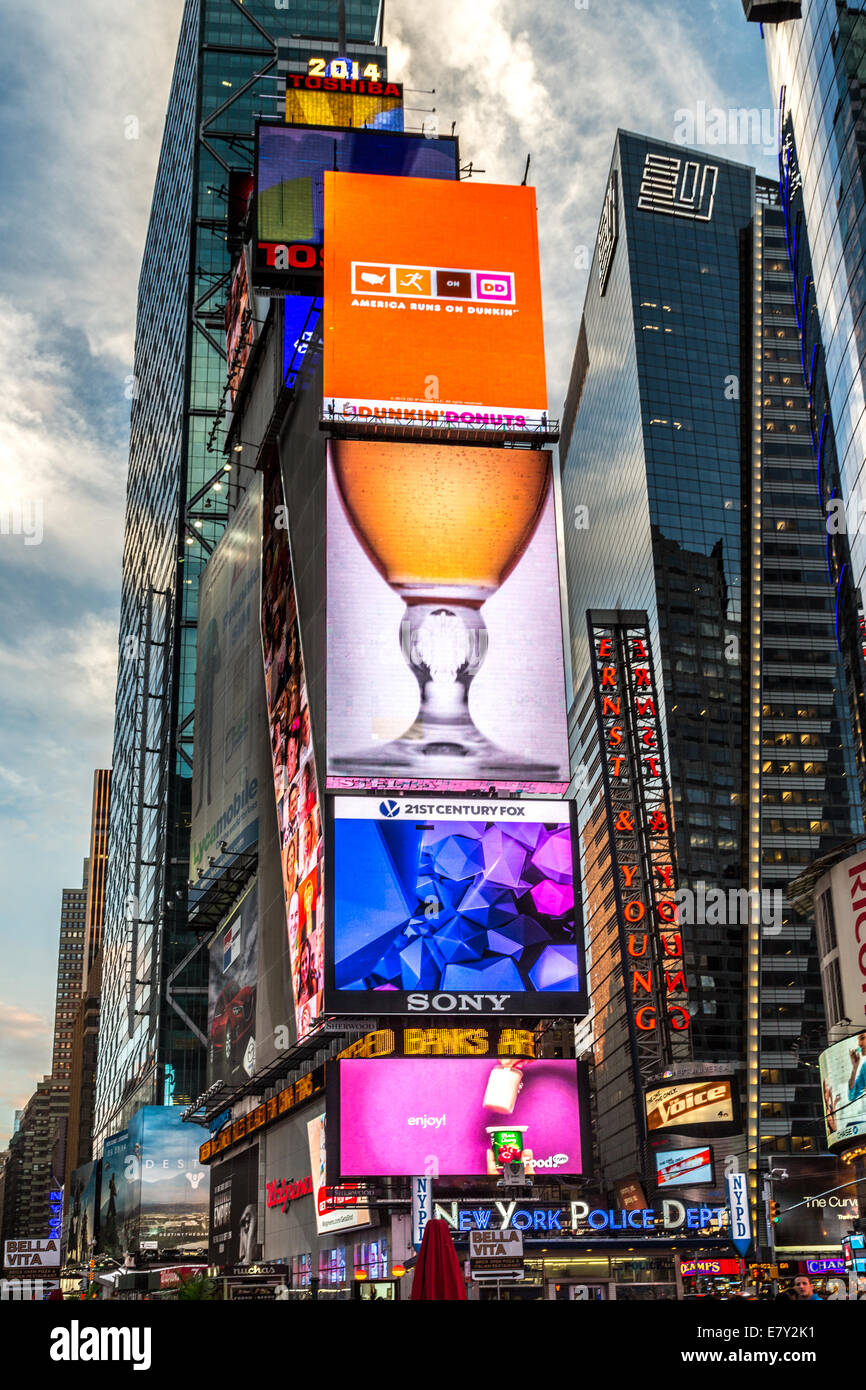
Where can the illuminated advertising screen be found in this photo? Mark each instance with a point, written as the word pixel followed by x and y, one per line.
pixel 301 316
pixel 233 975
pixel 442 280
pixel 448 1117
pixel 239 327
pixel 173 1186
pixel 444 661
pixel 291 162
pixel 453 908
pixel 294 766
pixel 818 1203
pixel 684 1167
pixel 345 97
pixel 330 1214
pixel 118 1200
pixel 702 1105
pixel 82 1204
pixel 843 1086
pixel 234 1211
pixel 229 718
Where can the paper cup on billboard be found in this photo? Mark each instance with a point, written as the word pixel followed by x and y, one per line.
pixel 507 1144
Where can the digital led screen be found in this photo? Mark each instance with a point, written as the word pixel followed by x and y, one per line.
pixel 453 907
pixel 234 1210
pixel 295 781
pixel 330 1215
pixel 444 659
pixel 704 1104
pixel 684 1167
pixel 443 278
pixel 843 1086
pixel 442 1117
pixel 301 316
pixel 290 186
pixel 233 976
pixel 339 98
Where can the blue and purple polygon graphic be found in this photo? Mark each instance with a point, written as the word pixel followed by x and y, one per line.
pixel 454 906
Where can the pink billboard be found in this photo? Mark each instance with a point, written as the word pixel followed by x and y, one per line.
pixel 443 1116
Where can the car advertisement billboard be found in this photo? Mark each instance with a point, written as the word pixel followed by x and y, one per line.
pixel 291 162
pixel 453 908
pixel 684 1167
pixel 843 1087
pixel 226 772
pixel 232 982
pixel 705 1105
pixel 82 1205
pixel 442 280
pixel 450 1117
pixel 334 1212
pixel 445 656
pixel 234 1212
pixel 294 765
pixel 336 99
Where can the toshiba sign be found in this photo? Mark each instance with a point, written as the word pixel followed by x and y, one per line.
pixel 840 916
pixel 706 1104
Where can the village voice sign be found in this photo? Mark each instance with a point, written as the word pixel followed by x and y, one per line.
pixel 496 1254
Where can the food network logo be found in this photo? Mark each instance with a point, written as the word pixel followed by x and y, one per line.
pixel 428 282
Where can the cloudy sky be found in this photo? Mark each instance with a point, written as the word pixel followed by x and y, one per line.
pixel 519 78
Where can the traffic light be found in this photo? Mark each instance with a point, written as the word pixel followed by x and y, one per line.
pixel 775 1213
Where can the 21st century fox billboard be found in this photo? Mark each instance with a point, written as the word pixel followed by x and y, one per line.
pixel 432 303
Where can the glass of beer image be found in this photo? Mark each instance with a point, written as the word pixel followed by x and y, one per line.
pixel 444 526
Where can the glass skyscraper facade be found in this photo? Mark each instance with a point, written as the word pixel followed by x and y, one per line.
pixel 684 495
pixel 151 1041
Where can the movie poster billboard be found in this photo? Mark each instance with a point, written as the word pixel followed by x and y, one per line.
pixel 294 766
pixel 226 776
pixel 234 1212
pixel 446 908
pixel 118 1201
pixel 445 657
pixel 232 984
pixel 443 278
pixel 334 1212
pixel 291 162
pixel 843 1087
pixel 82 1205
pixel 458 1117
pixel 173 1186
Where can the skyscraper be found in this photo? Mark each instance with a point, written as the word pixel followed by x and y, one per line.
pixel 816 55
pixel 150 1042
pixel 98 859
pixel 686 468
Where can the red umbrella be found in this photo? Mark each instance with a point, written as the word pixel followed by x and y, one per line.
pixel 437 1272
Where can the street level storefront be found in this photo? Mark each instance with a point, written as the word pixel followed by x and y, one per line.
pixel 582 1250
pixel 271 1209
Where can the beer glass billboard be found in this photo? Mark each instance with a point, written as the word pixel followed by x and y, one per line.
pixel 445 663
pixel 433 304
pixel 453 907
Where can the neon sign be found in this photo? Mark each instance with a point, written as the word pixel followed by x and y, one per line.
pixel 578 1217
pixel 640 834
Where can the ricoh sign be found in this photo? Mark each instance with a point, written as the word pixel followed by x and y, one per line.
pixel 840 913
